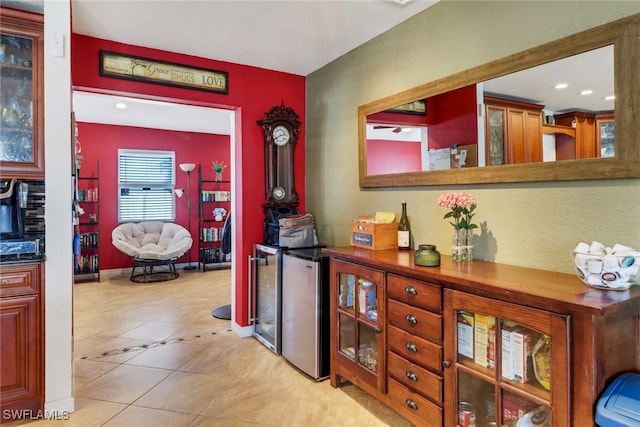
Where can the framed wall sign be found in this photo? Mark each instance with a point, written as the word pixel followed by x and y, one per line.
pixel 129 67
pixel 418 107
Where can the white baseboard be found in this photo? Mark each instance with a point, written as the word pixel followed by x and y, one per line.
pixel 242 331
pixel 59 409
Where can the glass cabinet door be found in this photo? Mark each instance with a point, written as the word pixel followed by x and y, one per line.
pixel 606 137
pixel 358 320
pixel 359 340
pixel 496 135
pixel 502 370
pixel 21 149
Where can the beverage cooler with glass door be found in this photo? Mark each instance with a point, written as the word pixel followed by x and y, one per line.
pixel 266 264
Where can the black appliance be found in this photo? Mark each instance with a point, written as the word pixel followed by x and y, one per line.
pixel 13 208
pixel 22 228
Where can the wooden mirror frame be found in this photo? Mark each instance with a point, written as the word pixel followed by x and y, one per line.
pixel 623 34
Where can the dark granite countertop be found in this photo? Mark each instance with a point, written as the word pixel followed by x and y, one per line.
pixel 21 259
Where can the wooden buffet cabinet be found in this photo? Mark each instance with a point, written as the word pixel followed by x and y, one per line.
pixel 426 340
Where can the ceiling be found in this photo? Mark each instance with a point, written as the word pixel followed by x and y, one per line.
pixel 291 36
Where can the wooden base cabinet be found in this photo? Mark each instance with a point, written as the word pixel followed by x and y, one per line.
pixel 480 340
pixel 22 348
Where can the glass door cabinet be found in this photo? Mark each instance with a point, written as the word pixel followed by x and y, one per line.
pixel 505 364
pixel 606 137
pixel 357 348
pixel 21 94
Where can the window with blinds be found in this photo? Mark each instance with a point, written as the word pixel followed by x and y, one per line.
pixel 145 185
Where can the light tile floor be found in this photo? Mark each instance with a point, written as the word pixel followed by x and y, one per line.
pixel 152 355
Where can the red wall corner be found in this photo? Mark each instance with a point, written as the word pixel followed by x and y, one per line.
pixel 252 92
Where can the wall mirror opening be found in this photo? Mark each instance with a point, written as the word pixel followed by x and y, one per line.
pixel 560 111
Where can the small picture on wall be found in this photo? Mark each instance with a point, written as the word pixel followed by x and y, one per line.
pixel 418 107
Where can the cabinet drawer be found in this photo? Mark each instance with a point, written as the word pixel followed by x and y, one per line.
pixel 414 292
pixel 411 405
pixel 22 279
pixel 414 348
pixel 415 376
pixel 415 320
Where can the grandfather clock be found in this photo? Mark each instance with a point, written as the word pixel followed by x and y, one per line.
pixel 281 129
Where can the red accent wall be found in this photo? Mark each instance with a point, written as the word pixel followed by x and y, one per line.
pixel 384 156
pixel 456 121
pixel 101 142
pixel 252 92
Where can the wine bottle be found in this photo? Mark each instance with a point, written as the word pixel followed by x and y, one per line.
pixel 404 229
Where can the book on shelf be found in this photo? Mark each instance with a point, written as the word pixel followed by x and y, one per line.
pixel 212 234
pixel 88 195
pixel 216 196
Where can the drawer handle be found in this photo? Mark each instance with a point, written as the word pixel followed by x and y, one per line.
pixel 411 290
pixel 411 347
pixel 411 404
pixel 413 377
pixel 411 319
pixel 5 281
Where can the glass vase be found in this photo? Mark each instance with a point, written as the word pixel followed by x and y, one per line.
pixel 427 256
pixel 462 245
pixel 218 176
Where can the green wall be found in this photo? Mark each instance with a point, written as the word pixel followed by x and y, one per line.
pixel 528 224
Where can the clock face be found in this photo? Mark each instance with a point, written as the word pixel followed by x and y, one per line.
pixel 281 135
pixel 278 193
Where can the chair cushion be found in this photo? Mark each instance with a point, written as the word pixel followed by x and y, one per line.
pixel 152 240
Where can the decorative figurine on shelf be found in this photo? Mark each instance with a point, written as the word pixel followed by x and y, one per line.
pixel 218 167
pixel 219 213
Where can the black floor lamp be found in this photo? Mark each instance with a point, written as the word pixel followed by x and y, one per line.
pixel 188 167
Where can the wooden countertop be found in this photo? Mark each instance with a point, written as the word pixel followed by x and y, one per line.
pixel 547 290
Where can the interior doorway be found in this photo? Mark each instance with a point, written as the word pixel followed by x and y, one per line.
pixel 164 114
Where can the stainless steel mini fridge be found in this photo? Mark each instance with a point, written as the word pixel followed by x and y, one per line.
pixel 305 310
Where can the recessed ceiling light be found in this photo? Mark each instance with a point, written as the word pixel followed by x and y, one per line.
pixel 121 105
pixel 586 92
pixel 609 98
pixel 400 2
pixel 561 86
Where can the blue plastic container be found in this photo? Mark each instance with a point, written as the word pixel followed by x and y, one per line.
pixel 619 405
